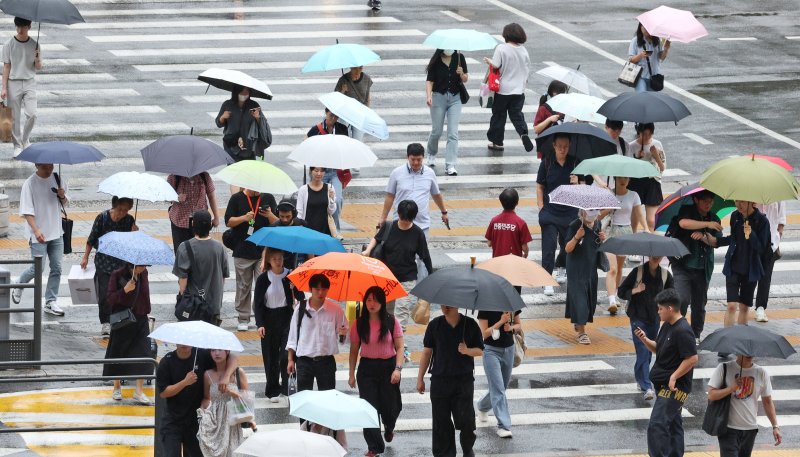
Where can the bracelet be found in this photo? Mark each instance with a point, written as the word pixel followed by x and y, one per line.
pixel 399 368
pixel 775 426
pixel 444 212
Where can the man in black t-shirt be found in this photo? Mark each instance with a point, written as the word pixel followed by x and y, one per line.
pixel 287 217
pixel 676 355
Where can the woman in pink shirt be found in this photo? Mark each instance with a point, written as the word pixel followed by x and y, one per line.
pixel 379 337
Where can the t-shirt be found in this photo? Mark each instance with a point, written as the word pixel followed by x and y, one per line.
pixel 358 89
pixel 171 370
pixel 444 339
pixel 401 249
pixel 655 62
pixel 207 273
pixel 627 203
pixel 407 184
pixel 674 343
pixel 514 64
pixel 20 54
pixel 506 338
pixel 445 78
pixel 508 233
pixel 551 174
pixel 377 348
pixel 634 149
pixel 37 200
pixel 744 402
pixel 238 206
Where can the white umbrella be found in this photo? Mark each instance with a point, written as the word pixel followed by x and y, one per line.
pixel 197 334
pixel 225 79
pixel 290 443
pixel 572 78
pixel 139 186
pixel 338 152
pixel 580 106
pixel 356 114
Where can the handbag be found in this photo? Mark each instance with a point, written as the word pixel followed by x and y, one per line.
pixel 377 251
pixel 192 307
pixel 6 121
pixel 656 81
pixel 291 387
pixel 241 409
pixel 463 93
pixel 715 421
pixel 66 222
pixel 493 79
pixel 122 319
pixel 345 176
pixel 519 348
pixel 630 74
pixel 421 313
pixel 229 239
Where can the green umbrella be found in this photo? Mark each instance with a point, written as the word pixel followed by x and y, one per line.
pixel 617 165
pixel 751 179
pixel 258 176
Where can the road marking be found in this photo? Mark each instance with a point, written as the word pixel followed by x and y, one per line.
pixel 224 10
pixel 105 109
pixel 308 21
pixel 517 179
pixel 795 37
pixel 66 62
pixel 255 50
pixel 296 97
pixel 94 129
pixel 698 138
pixel 294 81
pixel 385 112
pixel 455 16
pixel 94 93
pixel 613 41
pixel 19 419
pixel 50 47
pixel 742 38
pixel 674 172
pixel 696 98
pixel 772 371
pixel 54 78
pixel 254 36
pixel 272 65
pixel 86 439
pixel 783 421
pixel 786 394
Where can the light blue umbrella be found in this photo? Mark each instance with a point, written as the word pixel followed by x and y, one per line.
pixel 197 334
pixel 333 409
pixel 460 40
pixel 356 114
pixel 296 239
pixel 342 55
pixel 136 248
pixel 59 152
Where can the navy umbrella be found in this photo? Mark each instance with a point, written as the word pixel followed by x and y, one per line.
pixel 643 107
pixel 586 141
pixel 646 244
pixel 60 152
pixel 469 288
pixel 184 155
pixel 748 340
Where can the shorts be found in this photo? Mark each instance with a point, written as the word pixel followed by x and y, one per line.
pixel 649 190
pixel 739 290
pixel 617 230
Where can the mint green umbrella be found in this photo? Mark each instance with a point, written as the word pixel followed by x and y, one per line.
pixel 751 179
pixel 617 165
pixel 258 176
pixel 460 40
pixel 338 56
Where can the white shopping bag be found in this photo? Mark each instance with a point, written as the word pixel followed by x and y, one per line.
pixel 81 285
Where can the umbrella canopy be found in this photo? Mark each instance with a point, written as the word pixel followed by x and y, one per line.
pixel 580 106
pixel 136 248
pixel 747 340
pixel 469 288
pixel 197 334
pixel 672 24
pixel 258 176
pixel 184 155
pixel 356 114
pixel 586 140
pixel 644 107
pixel 460 39
pixel 644 243
pixel 776 160
pixel 572 78
pixel 583 196
pixel 290 443
pixel 333 409
pixel 617 165
pixel 296 239
pixel 338 152
pixel 350 276
pixel 750 179
pixel 518 271
pixel 671 205
pixel 342 55
pixel 47 11
pixel 60 152
pixel 140 186
pixel 225 79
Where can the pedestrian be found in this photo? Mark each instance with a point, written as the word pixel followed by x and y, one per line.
pixel 314 337
pixel 583 259
pixel 21 60
pixel 671 375
pixel 446 75
pixel 374 4
pixel 287 217
pixel 776 215
pixel 414 181
pixel 337 179
pixel 744 382
pixel 194 193
pixel 357 85
pixel 41 198
pixel 316 201
pixel 115 219
pixel 640 288
pixel 645 147
pixel 452 341
pixel 202 266
pixel 378 337
pixel 507 233
pixel 247 212
pixel 273 306
pixel 129 289
pixel 246 133
pixel 614 129
pixel 545 116
pixel 647 52
pixel 513 61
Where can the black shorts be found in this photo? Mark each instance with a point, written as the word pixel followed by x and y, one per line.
pixel 649 190
pixel 740 290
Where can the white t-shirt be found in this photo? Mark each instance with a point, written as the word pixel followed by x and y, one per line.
pixel 514 63
pixel 37 200
pixel 744 402
pixel 622 216
pixel 276 297
pixel 635 148
pixel 20 55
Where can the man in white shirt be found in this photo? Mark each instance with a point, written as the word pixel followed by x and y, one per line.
pixel 21 60
pixel 776 215
pixel 39 201
pixel 314 335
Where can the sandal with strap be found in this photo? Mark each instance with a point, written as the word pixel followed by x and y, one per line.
pixel 584 339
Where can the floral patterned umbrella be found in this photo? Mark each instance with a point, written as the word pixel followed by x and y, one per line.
pixel 583 196
pixel 136 248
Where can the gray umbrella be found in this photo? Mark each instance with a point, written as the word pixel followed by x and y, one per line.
pixel 644 107
pixel 748 340
pixel 644 243
pixel 469 288
pixel 47 11
pixel 184 155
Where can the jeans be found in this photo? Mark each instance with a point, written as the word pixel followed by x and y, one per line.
pixel 643 85
pixel 22 99
pixel 449 105
pixel 333 179
pixel 497 363
pixel 692 286
pixel 54 250
pixel 323 369
pixel 246 271
pixel 506 105
pixel 665 430
pixel 273 350
pixel 737 443
pixel 641 369
pixel 553 236
pixel 762 294
pixel 451 410
pixel 401 307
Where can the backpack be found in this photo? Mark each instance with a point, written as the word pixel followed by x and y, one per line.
pixel 640 272
pixel 674 230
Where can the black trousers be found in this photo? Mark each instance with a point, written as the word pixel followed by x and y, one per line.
pixel 692 287
pixel 510 106
pixel 323 369
pixel 374 385
pixel 101 287
pixel 762 294
pixel 179 235
pixel 737 443
pixel 180 434
pixel 553 236
pixel 452 409
pixel 665 430
pixel 273 350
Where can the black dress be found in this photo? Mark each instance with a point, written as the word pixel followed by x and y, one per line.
pixel 582 274
pixel 317 210
pixel 130 341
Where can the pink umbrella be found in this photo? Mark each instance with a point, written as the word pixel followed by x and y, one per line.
pixel 673 24
pixel 776 160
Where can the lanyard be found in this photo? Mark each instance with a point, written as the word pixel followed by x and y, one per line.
pixel 250 204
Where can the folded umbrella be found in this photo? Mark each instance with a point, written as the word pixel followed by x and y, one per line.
pixel 356 114
pixel 747 340
pixel 586 140
pixel 290 443
pixel 750 179
pixel 333 409
pixel 258 176
pixel 518 271
pixel 136 248
pixel 573 78
pixel 469 288
pixel 338 56
pixel 184 155
pixel 225 79
pixel 672 24
pixel 583 196
pixel 644 107
pixel 139 186
pixel 60 152
pixel 333 151
pixel 197 334
pixel 617 165
pixel 672 204
pixel 460 40
pixel 646 244
pixel 296 239
pixel 580 106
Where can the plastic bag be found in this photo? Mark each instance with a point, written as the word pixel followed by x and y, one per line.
pixel 292 387
pixel 240 408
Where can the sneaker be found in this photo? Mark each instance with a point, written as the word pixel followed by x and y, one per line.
pixel 117 394
pixel 483 416
pixel 388 436
pixel 526 141
pixel 548 290
pixel 697 341
pixel 275 399
pixel 52 308
pixel 561 275
pixel 355 171
pixel 761 315
pixel 243 326
pixel 650 394
pixel 376 5
pixel 503 433
pixel 106 329
pixel 370 453
pixel 431 162
pixel 142 399
pixel 612 309
pixel 451 171
pixel 16 296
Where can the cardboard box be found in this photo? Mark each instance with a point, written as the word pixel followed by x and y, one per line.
pixel 81 285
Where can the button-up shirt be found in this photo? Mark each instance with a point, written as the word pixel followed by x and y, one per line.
pixel 319 331
pixel 407 184
pixel 776 215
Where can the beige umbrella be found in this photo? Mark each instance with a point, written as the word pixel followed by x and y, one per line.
pixel 519 271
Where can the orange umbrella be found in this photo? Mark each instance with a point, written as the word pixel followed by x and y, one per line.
pixel 350 276
pixel 519 271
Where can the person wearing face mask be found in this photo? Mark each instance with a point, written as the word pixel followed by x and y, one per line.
pixel 546 117
pixel 645 147
pixel 584 237
pixel 447 72
pixel 246 133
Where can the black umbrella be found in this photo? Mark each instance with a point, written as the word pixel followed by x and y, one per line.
pixel 748 340
pixel 644 243
pixel 586 141
pixel 469 288
pixel 644 107
pixel 47 11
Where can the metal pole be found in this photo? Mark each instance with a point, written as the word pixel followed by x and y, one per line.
pixel 37 306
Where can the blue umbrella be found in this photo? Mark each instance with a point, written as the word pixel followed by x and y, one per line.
pixel 60 152
pixel 184 155
pixel 342 55
pixel 333 409
pixel 136 248
pixel 460 39
pixel 296 239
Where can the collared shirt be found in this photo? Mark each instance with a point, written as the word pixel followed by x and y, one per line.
pixel 318 332
pixel 407 184
pixel 198 190
pixel 776 215
pixel 38 200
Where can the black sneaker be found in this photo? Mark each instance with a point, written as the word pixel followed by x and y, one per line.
pixel 376 5
pixel 526 141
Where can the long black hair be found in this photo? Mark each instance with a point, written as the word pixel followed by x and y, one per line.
pixel 362 325
pixel 235 93
pixel 640 38
pixel 554 88
pixel 437 57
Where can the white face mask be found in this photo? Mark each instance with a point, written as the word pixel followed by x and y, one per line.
pixel 243 98
pixel 448 52
pixel 591 215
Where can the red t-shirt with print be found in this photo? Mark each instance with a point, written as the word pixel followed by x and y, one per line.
pixel 507 232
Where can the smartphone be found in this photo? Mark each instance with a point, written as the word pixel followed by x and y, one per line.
pixel 649 53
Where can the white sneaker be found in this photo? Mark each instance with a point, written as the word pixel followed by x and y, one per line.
pixel 106 329
pixel 650 394
pixel 561 275
pixel 275 399
pixel 16 296
pixel 431 162
pixel 761 315
pixel 483 416
pixel 697 341
pixel 548 290
pixel 142 399
pixel 117 394
pixel 52 308
pixel 243 326
pixel 355 171
pixel 451 171
pixel 503 433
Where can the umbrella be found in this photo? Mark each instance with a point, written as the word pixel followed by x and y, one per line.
pixel 572 78
pixel 258 176
pixel 674 24
pixel 644 107
pixel 460 39
pixel 350 276
pixel 469 288
pixel 60 152
pixel 646 244
pixel 333 409
pixel 750 179
pixel 47 11
pixel 296 239
pixel 197 334
pixel 184 155
pixel 136 248
pixel 519 271
pixel 342 55
pixel 586 140
pixel 671 205
pixel 140 186
pixel 356 114
pixel 225 79
pixel 747 340
pixel 616 165
pixel 338 152
pixel 290 443
pixel 776 160
pixel 580 106
pixel 583 196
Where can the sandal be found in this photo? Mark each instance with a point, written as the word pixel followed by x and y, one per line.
pixel 584 339
pixel 495 147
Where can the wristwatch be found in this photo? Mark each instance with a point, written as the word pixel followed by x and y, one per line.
pixel 399 368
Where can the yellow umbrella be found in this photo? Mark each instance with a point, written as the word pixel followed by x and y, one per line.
pixel 750 178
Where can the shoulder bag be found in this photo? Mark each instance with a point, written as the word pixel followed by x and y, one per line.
pixel 519 347
pixel 656 81
pixel 124 318
pixel 66 222
pixel 463 93
pixel 377 251
pixel 630 74
pixel 192 307
pixel 715 421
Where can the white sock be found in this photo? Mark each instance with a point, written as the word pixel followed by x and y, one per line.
pixel 612 299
